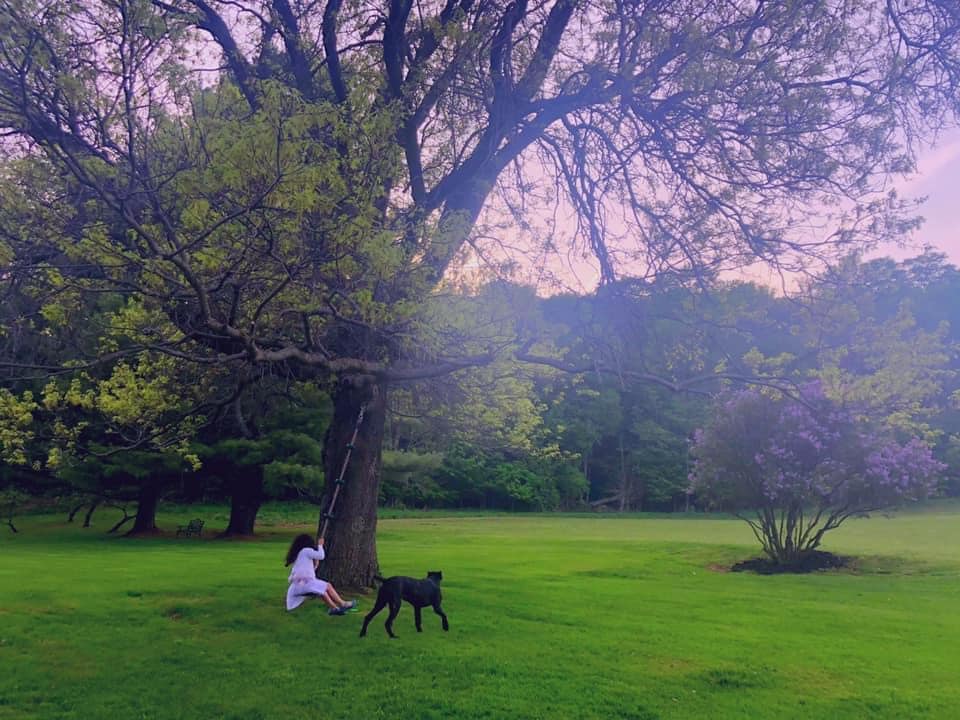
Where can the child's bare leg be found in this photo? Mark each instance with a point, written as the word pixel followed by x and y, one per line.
pixel 331 591
pixel 328 600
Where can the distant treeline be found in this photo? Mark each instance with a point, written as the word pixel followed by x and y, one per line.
pixel 543 433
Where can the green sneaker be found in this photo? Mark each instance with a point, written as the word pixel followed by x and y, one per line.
pixel 353 607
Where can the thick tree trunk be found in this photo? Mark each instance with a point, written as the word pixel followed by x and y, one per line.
pixel 146 520
pixel 245 501
pixel 351 538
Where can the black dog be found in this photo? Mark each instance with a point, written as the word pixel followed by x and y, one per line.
pixel 418 593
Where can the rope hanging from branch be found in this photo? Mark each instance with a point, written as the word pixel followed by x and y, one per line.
pixel 340 482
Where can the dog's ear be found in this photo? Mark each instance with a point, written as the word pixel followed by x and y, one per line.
pixel 435 575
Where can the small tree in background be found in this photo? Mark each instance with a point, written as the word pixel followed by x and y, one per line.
pixel 794 470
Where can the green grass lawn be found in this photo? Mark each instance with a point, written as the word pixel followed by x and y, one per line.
pixel 551 617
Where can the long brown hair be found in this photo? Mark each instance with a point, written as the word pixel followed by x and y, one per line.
pixel 300 542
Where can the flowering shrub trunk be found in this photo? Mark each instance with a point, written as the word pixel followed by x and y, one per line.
pixel 794 469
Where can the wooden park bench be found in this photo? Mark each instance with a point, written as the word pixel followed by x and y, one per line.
pixel 194 527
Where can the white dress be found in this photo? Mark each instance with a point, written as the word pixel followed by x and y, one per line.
pixel 303 579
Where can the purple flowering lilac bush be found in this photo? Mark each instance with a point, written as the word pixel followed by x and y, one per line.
pixel 794 470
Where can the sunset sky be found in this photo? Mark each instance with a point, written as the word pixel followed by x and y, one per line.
pixel 939 180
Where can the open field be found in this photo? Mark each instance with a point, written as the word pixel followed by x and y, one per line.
pixel 551 617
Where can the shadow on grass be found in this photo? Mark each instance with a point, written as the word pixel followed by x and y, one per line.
pixel 813 562
pixel 821 561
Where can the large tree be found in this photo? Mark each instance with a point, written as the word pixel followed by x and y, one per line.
pixel 286 183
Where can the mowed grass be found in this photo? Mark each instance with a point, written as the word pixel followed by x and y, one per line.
pixel 551 617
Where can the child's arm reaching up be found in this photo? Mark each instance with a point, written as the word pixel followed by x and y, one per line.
pixel 316 555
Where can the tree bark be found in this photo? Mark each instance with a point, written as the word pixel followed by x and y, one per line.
pixel 146 520
pixel 74 511
pixel 122 521
pixel 351 537
pixel 624 480
pixel 245 501
pixel 89 516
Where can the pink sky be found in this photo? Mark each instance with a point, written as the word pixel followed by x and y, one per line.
pixel 938 178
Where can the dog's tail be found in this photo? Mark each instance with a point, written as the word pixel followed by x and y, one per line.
pixel 379 577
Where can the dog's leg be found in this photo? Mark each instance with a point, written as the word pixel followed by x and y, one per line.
pixel 416 617
pixel 443 616
pixel 381 604
pixel 394 609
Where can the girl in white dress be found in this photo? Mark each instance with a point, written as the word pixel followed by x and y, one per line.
pixel 305 556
